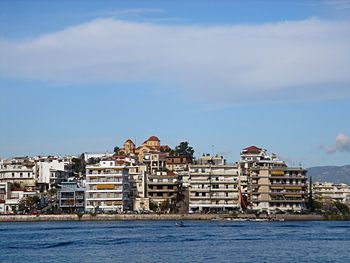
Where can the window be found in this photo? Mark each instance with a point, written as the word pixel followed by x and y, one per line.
pixel 197 194
pixel 13 175
pixel 21 174
pixel 203 194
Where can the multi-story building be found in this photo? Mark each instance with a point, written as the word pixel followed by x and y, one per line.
pixel 18 171
pixel 162 186
pixel 107 186
pixel 277 188
pixel 155 161
pixel 213 185
pixel 331 192
pixel 4 196
pixel 269 184
pixel 51 171
pixel 71 197
pixel 10 197
pixel 177 163
pixel 138 186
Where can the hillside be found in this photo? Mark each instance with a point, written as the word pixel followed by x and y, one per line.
pixel 336 174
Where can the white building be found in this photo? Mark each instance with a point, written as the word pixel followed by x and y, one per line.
pixel 331 192
pixel 52 170
pixel 213 185
pixel 9 199
pixel 107 186
pixel 20 171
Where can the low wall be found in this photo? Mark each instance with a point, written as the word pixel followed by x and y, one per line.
pixel 103 217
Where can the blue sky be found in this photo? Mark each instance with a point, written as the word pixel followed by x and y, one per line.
pixel 80 76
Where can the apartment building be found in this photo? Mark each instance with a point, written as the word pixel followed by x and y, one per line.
pixel 107 186
pixel 51 171
pixel 162 186
pixel 20 170
pixel 138 185
pixel 177 163
pixel 71 197
pixel 277 188
pixel 10 197
pixel 331 192
pixel 213 185
pixel 270 184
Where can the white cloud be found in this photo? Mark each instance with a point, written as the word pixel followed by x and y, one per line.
pixel 342 144
pixel 288 60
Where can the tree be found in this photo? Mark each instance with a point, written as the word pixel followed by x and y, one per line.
pixel 183 149
pixel 153 206
pixel 15 185
pixel 310 203
pixel 343 208
pixel 117 150
pixel 29 203
pixel 93 160
pixel 78 165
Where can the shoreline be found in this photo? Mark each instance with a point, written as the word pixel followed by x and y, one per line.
pixel 151 217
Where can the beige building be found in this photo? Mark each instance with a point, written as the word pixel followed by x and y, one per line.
pixel 129 147
pixel 278 188
pixel 331 192
pixel 18 171
pixel 213 185
pixel 138 186
pixel 269 184
pixel 177 163
pixel 162 187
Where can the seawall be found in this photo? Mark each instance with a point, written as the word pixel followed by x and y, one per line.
pixel 104 217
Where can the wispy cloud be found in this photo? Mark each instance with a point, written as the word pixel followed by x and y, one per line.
pixel 342 144
pixel 339 4
pixel 127 12
pixel 278 61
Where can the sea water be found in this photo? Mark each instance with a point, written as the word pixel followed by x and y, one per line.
pixel 163 241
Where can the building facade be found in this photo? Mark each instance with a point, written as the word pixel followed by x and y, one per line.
pixel 331 192
pixel 71 197
pixel 19 171
pixel 162 187
pixel 213 185
pixel 107 187
pixel 269 184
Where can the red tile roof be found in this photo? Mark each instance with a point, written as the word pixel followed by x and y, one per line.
pixel 153 138
pixel 252 149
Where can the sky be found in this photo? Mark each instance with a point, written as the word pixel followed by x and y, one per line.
pixel 84 76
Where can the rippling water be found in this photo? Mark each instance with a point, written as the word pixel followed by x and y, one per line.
pixel 162 241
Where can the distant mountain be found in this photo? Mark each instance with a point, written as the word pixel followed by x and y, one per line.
pixel 334 174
